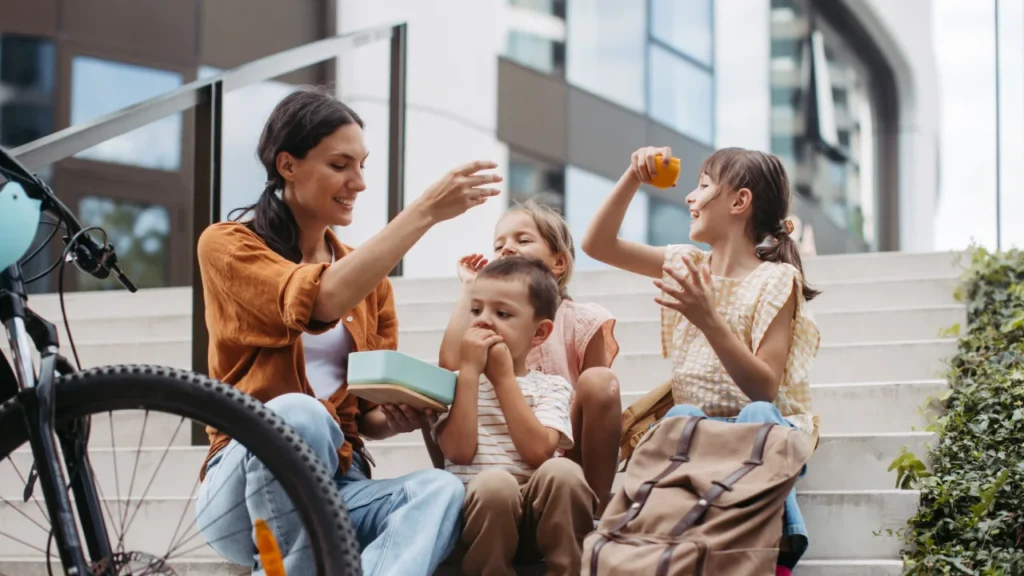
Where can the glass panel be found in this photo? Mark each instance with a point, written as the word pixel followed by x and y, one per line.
pixel 682 95
pixel 245 112
pixel 542 54
pixel 140 234
pixel 99 87
pixel 27 68
pixel 585 191
pixel 606 42
pixel 530 178
pixel 684 25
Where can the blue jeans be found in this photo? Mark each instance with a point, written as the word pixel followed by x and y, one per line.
pixel 794 530
pixel 405 526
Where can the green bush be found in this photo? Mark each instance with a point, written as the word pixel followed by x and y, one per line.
pixel 971 518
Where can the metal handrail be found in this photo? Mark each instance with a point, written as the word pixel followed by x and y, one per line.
pixel 80 137
pixel 206 98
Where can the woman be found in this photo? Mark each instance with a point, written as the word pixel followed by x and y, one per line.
pixel 286 303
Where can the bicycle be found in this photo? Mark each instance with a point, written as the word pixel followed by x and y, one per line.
pixel 55 408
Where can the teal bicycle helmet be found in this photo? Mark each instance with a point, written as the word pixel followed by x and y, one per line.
pixel 19 221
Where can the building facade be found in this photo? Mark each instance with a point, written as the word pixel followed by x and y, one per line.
pixel 561 92
pixel 558 92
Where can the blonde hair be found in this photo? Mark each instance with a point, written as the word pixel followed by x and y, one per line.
pixel 554 230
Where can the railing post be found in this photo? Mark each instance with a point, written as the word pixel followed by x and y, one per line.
pixel 205 211
pixel 396 128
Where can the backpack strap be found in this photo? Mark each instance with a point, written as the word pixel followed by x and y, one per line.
pixel 713 493
pixel 719 487
pixel 682 455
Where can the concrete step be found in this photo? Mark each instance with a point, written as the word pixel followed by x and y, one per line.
pixel 860 513
pixel 841 462
pixel 836 363
pixel 639 304
pixel 634 334
pixel 822 270
pixel 627 299
pixel 644 335
pixel 845 409
pixel 31 567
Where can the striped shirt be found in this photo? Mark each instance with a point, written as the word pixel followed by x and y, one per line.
pixel 548 396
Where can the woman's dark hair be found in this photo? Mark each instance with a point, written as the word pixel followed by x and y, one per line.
pixel 296 125
pixel 764 175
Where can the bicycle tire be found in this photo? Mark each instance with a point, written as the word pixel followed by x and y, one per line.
pixel 180 393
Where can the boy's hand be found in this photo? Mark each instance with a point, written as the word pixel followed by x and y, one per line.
pixel 475 346
pixel 499 363
pixel 469 266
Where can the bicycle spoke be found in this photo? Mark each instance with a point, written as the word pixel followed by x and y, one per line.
pixel 24 482
pixel 23 543
pixel 243 502
pixel 131 485
pixel 23 513
pixel 117 476
pixel 153 477
pixel 174 537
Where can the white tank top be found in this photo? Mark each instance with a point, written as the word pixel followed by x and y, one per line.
pixel 327 357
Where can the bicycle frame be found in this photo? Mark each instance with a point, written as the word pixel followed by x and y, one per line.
pixel 37 396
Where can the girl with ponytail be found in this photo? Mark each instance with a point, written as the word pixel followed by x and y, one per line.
pixel 734 318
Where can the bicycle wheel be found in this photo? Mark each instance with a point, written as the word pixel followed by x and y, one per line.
pixel 174 393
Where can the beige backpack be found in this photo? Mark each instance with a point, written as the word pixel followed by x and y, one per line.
pixel 699 497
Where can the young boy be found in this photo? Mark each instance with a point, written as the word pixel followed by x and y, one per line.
pixel 505 426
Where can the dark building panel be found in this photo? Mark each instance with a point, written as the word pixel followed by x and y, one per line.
pixel 602 135
pixel 235 32
pixel 29 17
pixel 148 28
pixel 532 111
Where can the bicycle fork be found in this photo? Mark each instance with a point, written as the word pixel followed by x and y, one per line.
pixel 38 404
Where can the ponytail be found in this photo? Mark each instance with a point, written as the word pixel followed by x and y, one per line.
pixel 785 250
pixel 273 222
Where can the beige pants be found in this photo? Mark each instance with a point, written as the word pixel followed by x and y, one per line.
pixel 546 518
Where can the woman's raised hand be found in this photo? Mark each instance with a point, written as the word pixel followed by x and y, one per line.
pixel 459 190
pixel 645 165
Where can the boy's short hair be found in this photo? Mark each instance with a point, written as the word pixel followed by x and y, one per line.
pixel 541 284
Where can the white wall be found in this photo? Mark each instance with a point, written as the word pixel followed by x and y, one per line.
pixel 451 119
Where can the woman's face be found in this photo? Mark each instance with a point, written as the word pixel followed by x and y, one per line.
pixel 322 187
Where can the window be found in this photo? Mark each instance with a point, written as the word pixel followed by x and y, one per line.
pixel 681 95
pixel 607 40
pixel 536 34
pixel 585 191
pixel 99 87
pixel 140 235
pixel 530 178
pixel 686 26
pixel 27 68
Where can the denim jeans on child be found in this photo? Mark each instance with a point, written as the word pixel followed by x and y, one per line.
pixel 794 530
pixel 405 526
